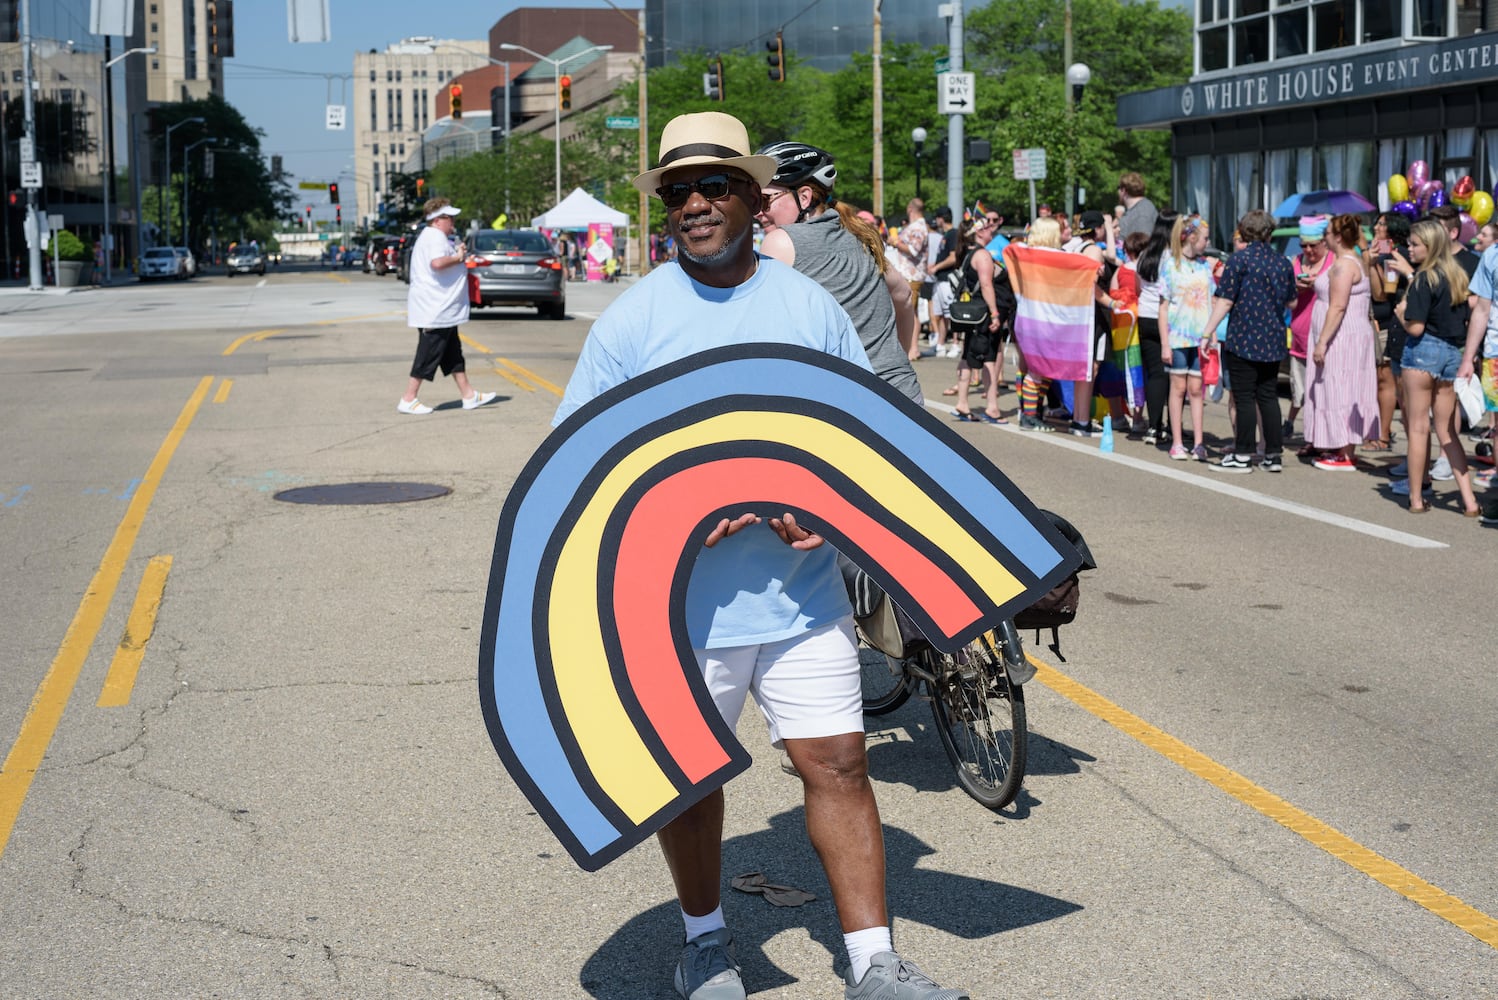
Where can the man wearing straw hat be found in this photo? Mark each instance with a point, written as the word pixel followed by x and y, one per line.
pixel 766 607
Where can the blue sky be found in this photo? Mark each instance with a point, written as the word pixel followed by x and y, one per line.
pixel 277 85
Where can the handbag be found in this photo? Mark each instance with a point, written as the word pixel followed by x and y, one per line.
pixel 1211 367
pixel 969 312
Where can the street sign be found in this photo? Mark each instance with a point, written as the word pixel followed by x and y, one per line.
pixel 31 174
pixel 943 63
pixel 954 93
pixel 311 186
pixel 336 117
pixel 28 149
pixel 621 121
pixel 1029 164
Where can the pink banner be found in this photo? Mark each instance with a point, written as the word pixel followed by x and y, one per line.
pixel 600 247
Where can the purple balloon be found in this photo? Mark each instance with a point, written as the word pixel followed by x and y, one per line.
pixel 1420 193
pixel 1406 209
pixel 1418 173
pixel 1469 229
pixel 1436 200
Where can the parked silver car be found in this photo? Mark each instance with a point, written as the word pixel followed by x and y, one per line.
pixel 522 269
pixel 162 262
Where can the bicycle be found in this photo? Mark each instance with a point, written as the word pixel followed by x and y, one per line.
pixel 979 708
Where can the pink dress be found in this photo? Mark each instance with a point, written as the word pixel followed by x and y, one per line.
pixel 1342 392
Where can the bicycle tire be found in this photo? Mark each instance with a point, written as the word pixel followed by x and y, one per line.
pixel 886 686
pixel 980 718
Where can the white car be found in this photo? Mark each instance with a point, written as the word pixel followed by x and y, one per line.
pixel 162 262
pixel 190 263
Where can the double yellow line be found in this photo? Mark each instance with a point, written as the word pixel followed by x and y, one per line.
pixel 521 377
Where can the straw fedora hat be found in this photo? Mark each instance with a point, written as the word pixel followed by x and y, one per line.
pixel 706 137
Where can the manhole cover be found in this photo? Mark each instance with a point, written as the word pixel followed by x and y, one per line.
pixel 363 493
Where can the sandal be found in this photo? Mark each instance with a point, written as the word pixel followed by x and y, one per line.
pixel 992 420
pixel 1376 445
pixel 949 392
pixel 1475 512
pixel 964 417
pixel 1422 509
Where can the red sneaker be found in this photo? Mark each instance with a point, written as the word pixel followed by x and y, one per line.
pixel 1335 463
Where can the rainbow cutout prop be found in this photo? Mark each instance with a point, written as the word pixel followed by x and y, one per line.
pixel 588 684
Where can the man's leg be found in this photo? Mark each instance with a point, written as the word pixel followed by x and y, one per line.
pixel 692 844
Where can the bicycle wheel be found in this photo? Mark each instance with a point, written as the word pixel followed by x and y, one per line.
pixel 885 685
pixel 980 718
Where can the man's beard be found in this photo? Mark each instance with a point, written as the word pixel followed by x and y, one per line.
pixel 717 256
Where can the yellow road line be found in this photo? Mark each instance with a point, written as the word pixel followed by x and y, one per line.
pixel 516 379
pixel 120 681
pixel 45 712
pixel 257 335
pixel 1337 844
pixel 339 277
pixel 222 396
pixel 355 319
pixel 474 344
pixel 527 373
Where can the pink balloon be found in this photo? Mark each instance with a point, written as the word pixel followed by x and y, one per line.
pixel 1469 229
pixel 1422 192
pixel 1418 173
pixel 1438 185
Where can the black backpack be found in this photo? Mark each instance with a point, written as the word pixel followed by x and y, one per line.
pixel 1058 606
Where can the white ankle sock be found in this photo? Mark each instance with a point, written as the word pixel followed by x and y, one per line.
pixel 863 946
pixel 698 926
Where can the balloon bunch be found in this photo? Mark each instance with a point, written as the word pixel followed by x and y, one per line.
pixel 1414 193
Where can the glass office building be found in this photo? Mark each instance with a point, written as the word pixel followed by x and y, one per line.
pixel 1301 95
pixel 824 35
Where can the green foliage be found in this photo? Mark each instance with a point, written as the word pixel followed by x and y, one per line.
pixel 66 246
pixel 524 166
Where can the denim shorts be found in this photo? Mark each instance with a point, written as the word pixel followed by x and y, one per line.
pixel 1432 355
pixel 1186 361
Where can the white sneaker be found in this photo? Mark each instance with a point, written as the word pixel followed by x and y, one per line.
pixel 1442 469
pixel 955 351
pixel 414 407
pixel 479 399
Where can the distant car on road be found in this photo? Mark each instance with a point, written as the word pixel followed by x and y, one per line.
pixel 383 255
pixel 162 262
pixel 522 269
pixel 245 260
pixel 189 262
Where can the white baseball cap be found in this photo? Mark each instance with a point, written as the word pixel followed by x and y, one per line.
pixel 444 210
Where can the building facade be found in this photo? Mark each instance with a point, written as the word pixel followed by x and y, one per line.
pixel 1333 94
pixel 824 34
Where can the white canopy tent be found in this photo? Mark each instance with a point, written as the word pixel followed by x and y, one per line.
pixel 577 211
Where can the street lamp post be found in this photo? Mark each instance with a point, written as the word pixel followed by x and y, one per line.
pixel 1077 77
pixel 149 50
pixel 186 187
pixel 918 137
pixel 166 218
pixel 556 69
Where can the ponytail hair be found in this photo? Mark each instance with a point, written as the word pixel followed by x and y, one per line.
pixel 863 232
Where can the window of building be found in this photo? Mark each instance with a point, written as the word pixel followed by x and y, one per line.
pixel 153 8
pixel 1430 18
pixel 1336 24
pixel 1381 19
pixel 1290 33
pixel 155 63
pixel 389 76
pixel 1212 10
pixel 397 76
pixel 1248 8
pixel 1251 41
pixel 371 74
pixel 374 108
pixel 400 114
pixel 1469 16
pixel 377 177
pixel 1213 45
pixel 153 27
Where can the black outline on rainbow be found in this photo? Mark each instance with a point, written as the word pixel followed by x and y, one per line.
pixel 692 402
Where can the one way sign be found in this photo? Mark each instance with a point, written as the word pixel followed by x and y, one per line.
pixel 954 93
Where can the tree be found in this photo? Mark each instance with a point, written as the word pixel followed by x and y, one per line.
pixel 523 165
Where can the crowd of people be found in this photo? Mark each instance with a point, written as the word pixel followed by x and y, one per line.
pixel 1365 320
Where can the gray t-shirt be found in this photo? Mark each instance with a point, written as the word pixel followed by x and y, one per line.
pixel 832 257
pixel 1138 218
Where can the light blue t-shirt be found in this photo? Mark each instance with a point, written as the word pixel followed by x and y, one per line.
pixel 750 588
pixel 1483 284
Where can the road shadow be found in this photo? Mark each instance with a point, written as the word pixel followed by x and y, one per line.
pixel 638 959
pixel 457 404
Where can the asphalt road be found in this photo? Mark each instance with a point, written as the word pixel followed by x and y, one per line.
pixel 1265 769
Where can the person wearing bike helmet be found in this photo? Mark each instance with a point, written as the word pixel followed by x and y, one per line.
pixel 808 229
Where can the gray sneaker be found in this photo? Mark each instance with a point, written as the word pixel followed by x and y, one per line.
pixel 891 977
pixel 707 970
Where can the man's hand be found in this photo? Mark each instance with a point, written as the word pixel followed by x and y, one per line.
pixel 793 534
pixel 726 527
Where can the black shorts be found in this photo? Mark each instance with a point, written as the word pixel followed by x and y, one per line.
pixel 436 348
pixel 981 346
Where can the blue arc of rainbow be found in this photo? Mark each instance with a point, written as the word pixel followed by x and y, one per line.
pixel 587 680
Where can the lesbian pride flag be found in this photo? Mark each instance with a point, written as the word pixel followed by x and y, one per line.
pixel 1053 324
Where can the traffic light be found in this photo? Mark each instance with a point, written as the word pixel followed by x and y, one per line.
pixel 564 92
pixel 776 58
pixel 333 193
pixel 10 20
pixel 338 214
pixel 712 80
pixel 455 100
pixel 275 168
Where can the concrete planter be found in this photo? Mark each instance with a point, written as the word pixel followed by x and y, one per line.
pixel 72 273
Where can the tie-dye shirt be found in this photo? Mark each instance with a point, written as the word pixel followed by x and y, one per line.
pixel 1186 298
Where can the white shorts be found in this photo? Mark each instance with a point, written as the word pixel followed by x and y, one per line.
pixel 941 298
pixel 806 687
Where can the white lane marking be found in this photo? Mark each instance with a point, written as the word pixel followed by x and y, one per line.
pixel 1061 439
pixel 262 282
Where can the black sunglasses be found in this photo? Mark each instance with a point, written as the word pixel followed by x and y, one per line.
pixel 713 187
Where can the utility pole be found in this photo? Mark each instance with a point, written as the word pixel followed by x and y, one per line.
pixel 955 143
pixel 878 110
pixel 34 250
pixel 1071 132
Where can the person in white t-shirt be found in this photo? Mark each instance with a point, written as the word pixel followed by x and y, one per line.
pixel 435 305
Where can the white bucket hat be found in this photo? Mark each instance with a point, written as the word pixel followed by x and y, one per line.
pixel 706 137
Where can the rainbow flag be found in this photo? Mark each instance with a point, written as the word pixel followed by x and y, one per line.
pixel 1053 324
pixel 1126 354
